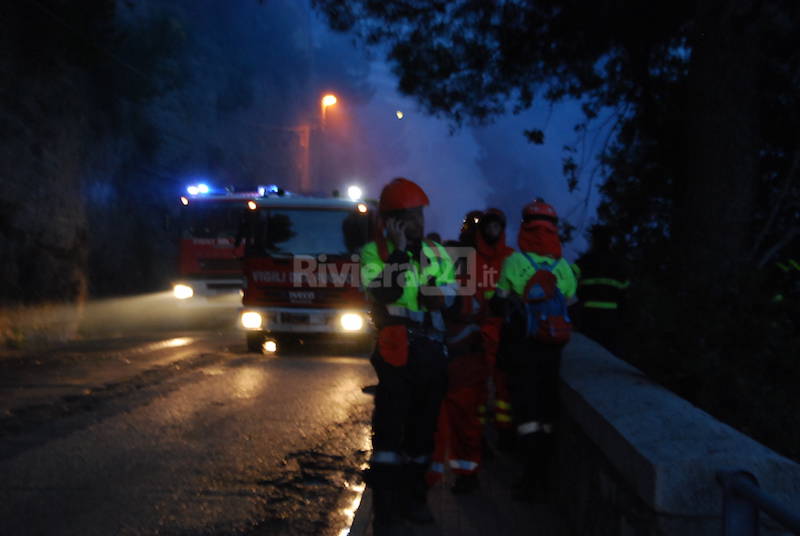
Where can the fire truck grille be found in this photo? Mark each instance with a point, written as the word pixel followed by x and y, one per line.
pixel 317 296
pixel 228 265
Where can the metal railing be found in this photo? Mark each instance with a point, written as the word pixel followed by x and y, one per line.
pixel 742 499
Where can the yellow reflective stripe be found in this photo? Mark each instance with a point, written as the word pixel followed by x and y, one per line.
pixel 500 417
pixel 600 305
pixel 605 281
pixel 502 404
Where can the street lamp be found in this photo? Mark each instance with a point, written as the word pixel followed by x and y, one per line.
pixel 327 100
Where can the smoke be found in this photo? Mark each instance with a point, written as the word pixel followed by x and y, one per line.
pixel 471 168
pixel 519 171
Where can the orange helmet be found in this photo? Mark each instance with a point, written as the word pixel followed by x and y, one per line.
pixel 402 194
pixel 539 210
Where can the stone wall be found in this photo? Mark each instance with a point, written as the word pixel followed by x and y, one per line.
pixel 635 459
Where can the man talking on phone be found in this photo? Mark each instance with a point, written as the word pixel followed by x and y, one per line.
pixel 410 282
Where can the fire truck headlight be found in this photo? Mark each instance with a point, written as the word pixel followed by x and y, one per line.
pixel 270 346
pixel 352 322
pixel 182 292
pixel 251 320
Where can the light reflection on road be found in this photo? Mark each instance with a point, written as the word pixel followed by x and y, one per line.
pixel 249 382
pixel 176 342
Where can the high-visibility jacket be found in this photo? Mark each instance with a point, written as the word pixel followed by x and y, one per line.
pixel 517 270
pixel 604 282
pixel 602 292
pixel 436 265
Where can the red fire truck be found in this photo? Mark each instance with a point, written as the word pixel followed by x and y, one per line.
pixel 209 261
pixel 301 269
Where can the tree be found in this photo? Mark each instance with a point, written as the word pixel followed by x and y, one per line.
pixel 702 61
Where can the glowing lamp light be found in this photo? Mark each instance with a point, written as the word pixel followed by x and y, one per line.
pixel 398 114
pixel 182 292
pixel 354 193
pixel 362 208
pixel 252 205
pixel 203 188
pixel 270 346
pixel 193 190
pixel 251 320
pixel 184 201
pixel 329 100
pixel 352 322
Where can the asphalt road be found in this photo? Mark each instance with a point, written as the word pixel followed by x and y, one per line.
pixel 181 433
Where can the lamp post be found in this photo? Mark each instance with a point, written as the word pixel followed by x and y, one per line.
pixel 326 101
pixel 320 160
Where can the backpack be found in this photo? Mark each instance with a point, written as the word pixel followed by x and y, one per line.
pixel 546 317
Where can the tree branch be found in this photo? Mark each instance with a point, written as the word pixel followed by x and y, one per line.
pixel 778 204
pixel 778 246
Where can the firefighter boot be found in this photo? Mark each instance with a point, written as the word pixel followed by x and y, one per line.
pixel 531 486
pixel 416 495
pixel 387 518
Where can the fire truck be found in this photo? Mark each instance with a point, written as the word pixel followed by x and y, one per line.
pixel 301 269
pixel 209 259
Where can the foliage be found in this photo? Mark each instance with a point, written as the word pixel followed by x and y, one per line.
pixel 698 172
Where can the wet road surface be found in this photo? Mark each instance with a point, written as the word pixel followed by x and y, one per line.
pixel 181 434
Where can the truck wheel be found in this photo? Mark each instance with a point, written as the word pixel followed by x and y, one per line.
pixel 255 339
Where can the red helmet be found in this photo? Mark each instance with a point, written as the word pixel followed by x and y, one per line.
pixel 539 210
pixel 402 194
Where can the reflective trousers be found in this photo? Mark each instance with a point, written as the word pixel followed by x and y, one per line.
pixel 533 373
pixel 407 402
pixel 490 334
pixel 459 431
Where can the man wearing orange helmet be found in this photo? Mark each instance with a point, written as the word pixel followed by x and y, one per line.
pixel 409 281
pixel 532 292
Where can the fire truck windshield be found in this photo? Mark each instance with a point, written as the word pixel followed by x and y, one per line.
pixel 306 232
pixel 211 220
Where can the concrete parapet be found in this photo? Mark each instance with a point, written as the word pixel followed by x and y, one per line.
pixel 646 457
